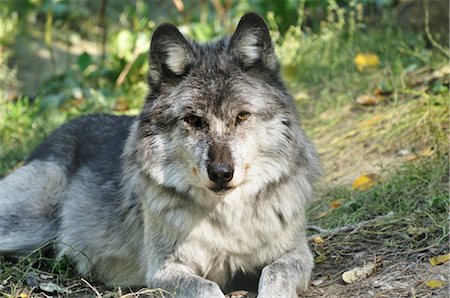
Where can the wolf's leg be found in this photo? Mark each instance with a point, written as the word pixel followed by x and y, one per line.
pixel 287 275
pixel 28 206
pixel 177 279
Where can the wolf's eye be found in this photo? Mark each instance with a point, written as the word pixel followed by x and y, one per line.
pixel 193 120
pixel 242 116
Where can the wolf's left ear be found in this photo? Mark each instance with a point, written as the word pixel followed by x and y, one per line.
pixel 251 44
pixel 170 54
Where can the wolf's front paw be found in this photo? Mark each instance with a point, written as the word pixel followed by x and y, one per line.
pixel 201 290
pixel 276 283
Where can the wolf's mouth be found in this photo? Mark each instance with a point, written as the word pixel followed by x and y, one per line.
pixel 220 189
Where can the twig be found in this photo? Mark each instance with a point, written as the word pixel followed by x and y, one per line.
pixel 219 10
pixel 411 251
pixel 428 33
pixel 179 5
pixel 317 229
pixel 48 36
pixel 123 74
pixel 146 291
pixel 97 293
pixel 352 227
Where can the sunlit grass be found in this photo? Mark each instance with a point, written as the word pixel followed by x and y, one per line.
pixel 416 194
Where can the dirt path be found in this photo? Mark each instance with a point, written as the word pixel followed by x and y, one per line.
pixel 394 275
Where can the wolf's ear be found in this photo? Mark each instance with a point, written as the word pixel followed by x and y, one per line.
pixel 170 54
pixel 251 44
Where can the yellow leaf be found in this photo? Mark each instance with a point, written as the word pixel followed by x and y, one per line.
pixel 318 240
pixel 322 214
pixel 336 204
pixel 23 295
pixel 369 100
pixel 374 120
pixel 381 92
pixel 364 61
pixel 364 182
pixel 434 283
pixel 438 260
pixel 428 151
pixel 411 157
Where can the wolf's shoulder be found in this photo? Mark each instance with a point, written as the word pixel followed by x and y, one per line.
pixel 99 121
pixel 93 137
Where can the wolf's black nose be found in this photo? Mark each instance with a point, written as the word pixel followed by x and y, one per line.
pixel 220 172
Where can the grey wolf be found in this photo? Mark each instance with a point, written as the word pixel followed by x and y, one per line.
pixel 205 187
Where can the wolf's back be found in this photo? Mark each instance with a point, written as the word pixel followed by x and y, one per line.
pixel 31 197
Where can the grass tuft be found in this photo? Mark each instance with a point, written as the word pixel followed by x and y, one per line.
pixel 417 194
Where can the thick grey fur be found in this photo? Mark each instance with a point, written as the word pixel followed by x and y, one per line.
pixel 130 200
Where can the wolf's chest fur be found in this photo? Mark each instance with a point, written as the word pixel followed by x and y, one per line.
pixel 236 235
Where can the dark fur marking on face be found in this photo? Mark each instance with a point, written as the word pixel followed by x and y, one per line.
pixel 286 122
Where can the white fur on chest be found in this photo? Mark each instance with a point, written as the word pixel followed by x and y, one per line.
pixel 241 235
pixel 236 233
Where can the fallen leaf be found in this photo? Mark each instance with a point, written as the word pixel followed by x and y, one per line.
pixel 403 152
pixel 411 157
pixel 318 240
pixel 317 282
pixel 382 92
pixel 364 182
pixel 322 214
pixel 46 276
pixel 51 287
pixel 368 100
pixel 427 151
pixel 19 293
pixel 434 283
pixel 358 273
pixel 364 61
pixel 438 260
pixel 336 204
pixel 371 121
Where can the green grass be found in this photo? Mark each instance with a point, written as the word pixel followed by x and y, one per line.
pixel 417 194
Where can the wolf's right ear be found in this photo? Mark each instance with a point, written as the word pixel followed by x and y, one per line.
pixel 170 54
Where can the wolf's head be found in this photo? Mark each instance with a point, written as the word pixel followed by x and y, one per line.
pixel 218 118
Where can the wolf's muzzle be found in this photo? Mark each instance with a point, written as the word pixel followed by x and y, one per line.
pixel 220 174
